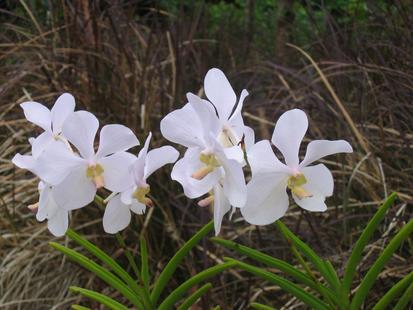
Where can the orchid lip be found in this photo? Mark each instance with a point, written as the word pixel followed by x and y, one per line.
pixel 140 195
pixel 295 184
pixel 95 173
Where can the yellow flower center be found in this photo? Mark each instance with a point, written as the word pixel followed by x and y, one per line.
pixel 295 183
pixel 140 195
pixel 210 162
pixel 95 173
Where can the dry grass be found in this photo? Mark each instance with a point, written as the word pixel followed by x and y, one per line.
pixel 135 70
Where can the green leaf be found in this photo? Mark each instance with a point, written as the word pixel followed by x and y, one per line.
pixel 101 272
pixel 378 265
pixel 361 243
pixel 170 268
pixel 405 299
pixel 283 283
pixel 318 263
pixel 101 255
pixel 79 307
pixel 144 263
pixel 102 299
pixel 191 300
pixel 177 294
pixel 267 260
pixel 259 306
pixel 392 293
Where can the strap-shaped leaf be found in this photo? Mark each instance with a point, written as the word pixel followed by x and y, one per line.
pixel 362 241
pixel 191 300
pixel 405 299
pixel 318 263
pixel 284 284
pixel 144 263
pixel 170 268
pixel 180 291
pixel 99 271
pixel 378 265
pixel 267 260
pixel 258 306
pixel 100 298
pixel 392 293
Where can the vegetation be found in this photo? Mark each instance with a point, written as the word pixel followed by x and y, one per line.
pixel 347 63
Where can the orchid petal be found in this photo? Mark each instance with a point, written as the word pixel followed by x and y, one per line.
pixel 267 199
pixel 321 148
pixel 288 133
pixel 320 184
pixel 59 223
pixel 126 195
pixel 262 159
pixel 137 207
pixel 186 166
pixel 24 162
pixel 80 129
pixel 220 93
pixel 236 117
pixel 116 171
pixel 115 138
pixel 63 107
pixel 37 114
pixel 221 207
pixel 235 153
pixel 117 216
pixel 209 121
pixel 56 162
pixel 182 126
pixel 44 202
pixel 158 158
pixel 234 182
pixel 41 143
pixel 75 191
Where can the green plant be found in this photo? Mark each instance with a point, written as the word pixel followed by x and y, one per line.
pixel 319 285
pixel 139 291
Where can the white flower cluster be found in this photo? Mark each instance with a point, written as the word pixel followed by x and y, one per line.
pixel 219 147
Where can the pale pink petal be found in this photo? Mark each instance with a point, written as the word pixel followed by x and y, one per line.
pixel 59 223
pixel 267 199
pixel 115 138
pixel 209 121
pixel 137 207
pixel 138 167
pixel 321 148
pixel 117 216
pixel 37 114
pixel 80 129
pixel 219 91
pixel 63 107
pixel 234 182
pixel 24 162
pixel 288 133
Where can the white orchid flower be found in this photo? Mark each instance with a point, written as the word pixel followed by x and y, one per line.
pixel 206 166
pixel 222 96
pixel 47 208
pixel 267 198
pixel 51 121
pixel 76 178
pixel 118 211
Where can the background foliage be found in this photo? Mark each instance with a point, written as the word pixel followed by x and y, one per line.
pixel 133 61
